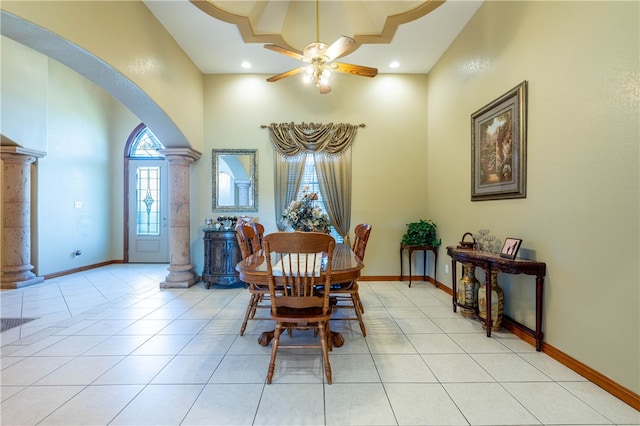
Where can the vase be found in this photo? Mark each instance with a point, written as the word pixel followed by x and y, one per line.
pixel 467 291
pixel 497 302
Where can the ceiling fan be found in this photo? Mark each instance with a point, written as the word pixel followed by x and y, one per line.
pixel 320 58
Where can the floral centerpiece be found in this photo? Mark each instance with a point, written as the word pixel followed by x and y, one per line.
pixel 303 215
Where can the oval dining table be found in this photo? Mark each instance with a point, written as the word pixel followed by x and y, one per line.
pixel 346 267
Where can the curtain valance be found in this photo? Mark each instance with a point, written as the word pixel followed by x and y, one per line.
pixel 291 140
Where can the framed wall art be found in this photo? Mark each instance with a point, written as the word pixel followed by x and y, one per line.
pixel 510 248
pixel 498 147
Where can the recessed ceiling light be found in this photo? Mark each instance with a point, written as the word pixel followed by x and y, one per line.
pixel 246 65
pixel 394 64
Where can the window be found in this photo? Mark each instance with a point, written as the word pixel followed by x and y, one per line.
pixel 145 145
pixel 148 200
pixel 310 179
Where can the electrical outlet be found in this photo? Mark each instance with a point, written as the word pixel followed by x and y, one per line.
pixel 446 269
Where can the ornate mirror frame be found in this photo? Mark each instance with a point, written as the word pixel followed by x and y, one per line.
pixel 234 180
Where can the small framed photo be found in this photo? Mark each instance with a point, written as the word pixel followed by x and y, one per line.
pixel 510 248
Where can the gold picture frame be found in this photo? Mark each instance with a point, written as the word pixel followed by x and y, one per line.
pixel 498 147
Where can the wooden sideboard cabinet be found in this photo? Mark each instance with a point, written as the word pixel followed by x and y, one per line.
pixel 221 254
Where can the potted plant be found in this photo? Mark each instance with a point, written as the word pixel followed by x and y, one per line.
pixel 421 233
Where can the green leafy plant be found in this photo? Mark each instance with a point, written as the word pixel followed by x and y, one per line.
pixel 421 233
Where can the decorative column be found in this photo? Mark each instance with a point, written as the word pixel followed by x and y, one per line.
pixel 16 217
pixel 243 186
pixel 180 269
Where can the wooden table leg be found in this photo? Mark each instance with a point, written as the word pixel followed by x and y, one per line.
pixel 410 252
pixel 538 332
pixel 401 249
pixel 424 265
pixel 337 339
pixel 435 267
pixel 266 337
pixel 454 284
pixel 488 320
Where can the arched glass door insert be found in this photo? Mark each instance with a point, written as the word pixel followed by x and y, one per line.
pixel 145 145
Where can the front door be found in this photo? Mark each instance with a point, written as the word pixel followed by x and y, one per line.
pixel 148 211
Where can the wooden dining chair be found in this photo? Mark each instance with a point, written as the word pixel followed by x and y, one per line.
pixel 249 237
pixel 347 295
pixel 361 238
pixel 298 263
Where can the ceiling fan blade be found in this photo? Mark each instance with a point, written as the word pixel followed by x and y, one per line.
pixel 355 69
pixel 287 52
pixel 286 74
pixel 340 47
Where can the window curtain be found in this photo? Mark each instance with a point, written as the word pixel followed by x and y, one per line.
pixel 288 174
pixel 334 179
pixel 331 146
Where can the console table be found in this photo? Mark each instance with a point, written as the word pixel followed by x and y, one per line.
pixel 411 248
pixel 221 254
pixel 493 262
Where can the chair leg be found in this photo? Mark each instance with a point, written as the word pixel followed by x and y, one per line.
pixel 250 307
pixel 357 308
pixel 259 299
pixel 274 352
pixel 356 298
pixel 325 335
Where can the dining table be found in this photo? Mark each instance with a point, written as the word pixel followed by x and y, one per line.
pixel 346 267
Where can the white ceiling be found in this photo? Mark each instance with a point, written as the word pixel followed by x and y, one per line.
pixel 217 47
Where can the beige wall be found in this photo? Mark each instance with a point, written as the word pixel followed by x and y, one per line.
pixel 581 211
pixel 389 168
pixel 147 70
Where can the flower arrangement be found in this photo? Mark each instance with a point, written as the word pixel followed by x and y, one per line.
pixel 303 215
pixel 487 242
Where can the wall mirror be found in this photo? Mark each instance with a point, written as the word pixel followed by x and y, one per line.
pixel 235 179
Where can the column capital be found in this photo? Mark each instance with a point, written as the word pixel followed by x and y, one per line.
pixel 180 154
pixel 9 152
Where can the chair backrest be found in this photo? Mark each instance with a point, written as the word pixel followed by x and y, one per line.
pixel 258 228
pixel 297 264
pixel 361 232
pixel 248 240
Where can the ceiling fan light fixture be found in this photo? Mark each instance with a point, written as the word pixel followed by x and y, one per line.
pixel 309 71
pixel 315 50
pixel 320 58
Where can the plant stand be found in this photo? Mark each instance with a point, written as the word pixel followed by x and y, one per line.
pixel 411 248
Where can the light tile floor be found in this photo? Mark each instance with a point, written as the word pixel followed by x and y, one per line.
pixel 111 348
